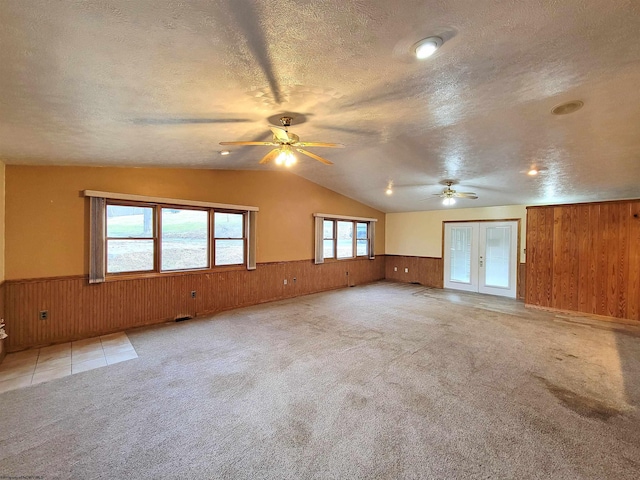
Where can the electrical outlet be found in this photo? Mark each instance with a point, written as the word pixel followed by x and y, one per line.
pixel 44 314
pixel 406 270
pixel 395 269
pixel 193 294
pixel 285 281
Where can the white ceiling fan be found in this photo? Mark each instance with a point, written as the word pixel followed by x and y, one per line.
pixel 285 144
pixel 449 195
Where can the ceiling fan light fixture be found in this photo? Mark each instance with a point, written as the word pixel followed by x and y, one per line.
pixel 427 47
pixel 449 201
pixel 389 191
pixel 533 172
pixel 286 157
pixel 224 152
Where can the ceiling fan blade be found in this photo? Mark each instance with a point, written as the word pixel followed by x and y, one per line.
pixel 466 195
pixel 314 156
pixel 319 144
pixel 439 195
pixel 270 156
pixel 280 134
pixel 185 121
pixel 271 144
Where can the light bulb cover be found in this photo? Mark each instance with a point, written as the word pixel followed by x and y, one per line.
pixel 427 47
pixel 449 201
pixel 286 157
pixel 389 191
pixel 532 172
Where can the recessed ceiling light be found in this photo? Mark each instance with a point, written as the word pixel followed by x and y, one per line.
pixel 225 152
pixel 427 47
pixel 534 170
pixel 567 107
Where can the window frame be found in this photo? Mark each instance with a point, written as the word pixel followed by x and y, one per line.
pixel 334 255
pixel 214 239
pixel 352 256
pixel 319 237
pixel 157 209
pixel 154 237
pixel 356 239
pixel 161 207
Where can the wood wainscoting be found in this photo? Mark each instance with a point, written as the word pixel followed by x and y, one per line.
pixel 77 309
pixel 3 349
pixel 585 258
pixel 427 271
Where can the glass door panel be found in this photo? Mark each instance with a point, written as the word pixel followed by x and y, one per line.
pixel 497 251
pixel 460 270
pixel 461 256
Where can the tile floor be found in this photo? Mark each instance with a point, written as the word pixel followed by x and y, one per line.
pixel 38 365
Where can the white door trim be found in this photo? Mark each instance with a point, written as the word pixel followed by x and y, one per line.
pixel 477 275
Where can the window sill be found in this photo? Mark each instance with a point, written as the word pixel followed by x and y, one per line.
pixel 333 260
pixel 173 273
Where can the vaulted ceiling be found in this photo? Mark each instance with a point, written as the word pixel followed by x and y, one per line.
pixel 161 83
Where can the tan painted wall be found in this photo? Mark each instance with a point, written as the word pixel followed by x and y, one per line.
pixel 420 233
pixel 47 218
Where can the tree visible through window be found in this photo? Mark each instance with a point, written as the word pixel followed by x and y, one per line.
pixel 161 238
pixel 130 240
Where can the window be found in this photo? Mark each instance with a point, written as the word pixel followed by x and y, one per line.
pixel 146 236
pixel 130 239
pixel 329 236
pixel 342 237
pixel 184 239
pixel 229 238
pixel 362 239
pixel 345 239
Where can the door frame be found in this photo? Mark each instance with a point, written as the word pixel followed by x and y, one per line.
pixel 518 256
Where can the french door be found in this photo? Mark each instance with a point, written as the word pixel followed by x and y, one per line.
pixel 481 257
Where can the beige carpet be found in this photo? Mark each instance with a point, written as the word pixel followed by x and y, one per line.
pixel 380 381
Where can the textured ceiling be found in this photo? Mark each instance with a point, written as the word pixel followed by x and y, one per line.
pixel 160 83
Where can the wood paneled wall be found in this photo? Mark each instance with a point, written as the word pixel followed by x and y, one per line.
pixel 522 281
pixel 80 310
pixel 585 258
pixel 427 271
pixel 3 350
